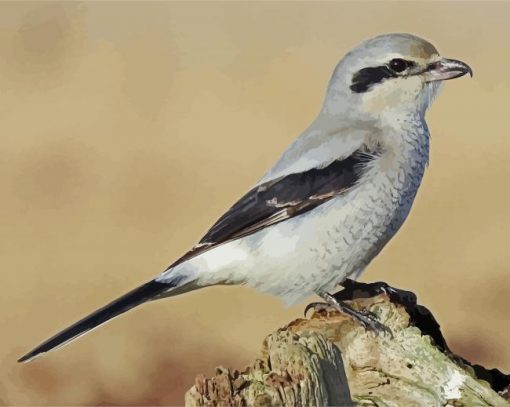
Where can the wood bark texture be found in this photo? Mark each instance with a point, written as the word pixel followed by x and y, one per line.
pixel 331 360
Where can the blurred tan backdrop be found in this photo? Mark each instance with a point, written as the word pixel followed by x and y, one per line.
pixel 118 119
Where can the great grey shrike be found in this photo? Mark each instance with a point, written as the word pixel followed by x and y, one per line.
pixel 332 201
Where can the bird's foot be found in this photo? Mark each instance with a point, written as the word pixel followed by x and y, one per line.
pixel 366 318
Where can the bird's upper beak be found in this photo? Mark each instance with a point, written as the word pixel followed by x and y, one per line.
pixel 445 69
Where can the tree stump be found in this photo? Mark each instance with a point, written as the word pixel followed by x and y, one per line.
pixel 329 359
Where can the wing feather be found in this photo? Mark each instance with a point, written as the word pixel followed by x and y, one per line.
pixel 281 199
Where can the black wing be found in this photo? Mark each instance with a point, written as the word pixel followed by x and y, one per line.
pixel 281 199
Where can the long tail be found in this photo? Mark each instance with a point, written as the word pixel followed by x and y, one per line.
pixel 145 292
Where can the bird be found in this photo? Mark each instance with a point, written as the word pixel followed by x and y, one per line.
pixel 331 202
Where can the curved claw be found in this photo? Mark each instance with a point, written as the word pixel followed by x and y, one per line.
pixel 317 306
pixel 373 325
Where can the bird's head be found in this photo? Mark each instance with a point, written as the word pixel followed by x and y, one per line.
pixel 392 73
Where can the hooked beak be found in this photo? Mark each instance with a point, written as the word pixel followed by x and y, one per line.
pixel 445 69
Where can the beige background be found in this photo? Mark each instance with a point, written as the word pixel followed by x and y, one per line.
pixel 127 128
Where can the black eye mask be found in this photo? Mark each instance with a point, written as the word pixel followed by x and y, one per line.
pixel 365 78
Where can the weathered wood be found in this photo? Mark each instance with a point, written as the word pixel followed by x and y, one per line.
pixel 331 360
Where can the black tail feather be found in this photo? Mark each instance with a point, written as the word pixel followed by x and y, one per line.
pixel 130 300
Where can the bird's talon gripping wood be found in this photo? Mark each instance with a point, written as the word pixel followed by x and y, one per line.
pixel 365 317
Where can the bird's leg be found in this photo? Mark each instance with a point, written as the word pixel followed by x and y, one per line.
pixel 365 318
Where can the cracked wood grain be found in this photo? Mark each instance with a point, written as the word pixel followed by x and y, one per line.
pixel 329 359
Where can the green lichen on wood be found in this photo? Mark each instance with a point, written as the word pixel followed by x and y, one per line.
pixel 331 360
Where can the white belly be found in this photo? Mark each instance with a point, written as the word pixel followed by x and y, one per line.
pixel 315 251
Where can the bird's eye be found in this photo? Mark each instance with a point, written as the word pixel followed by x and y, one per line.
pixel 399 65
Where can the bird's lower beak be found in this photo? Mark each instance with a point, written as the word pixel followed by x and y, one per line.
pixel 445 69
